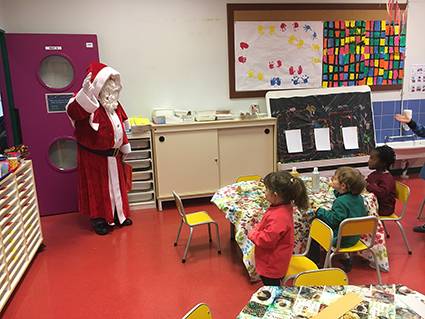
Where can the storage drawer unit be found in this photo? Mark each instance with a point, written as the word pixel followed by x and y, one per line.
pixel 142 194
pixel 20 228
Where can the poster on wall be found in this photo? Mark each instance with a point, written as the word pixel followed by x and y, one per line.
pixel 417 78
pixel 272 55
pixel 357 52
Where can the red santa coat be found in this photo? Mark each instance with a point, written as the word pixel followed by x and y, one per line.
pixel 102 188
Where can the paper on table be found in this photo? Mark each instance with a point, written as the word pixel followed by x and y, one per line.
pixel 339 307
pixel 322 140
pixel 351 140
pixel 413 303
pixel 293 141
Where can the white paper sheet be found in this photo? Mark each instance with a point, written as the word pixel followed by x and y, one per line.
pixel 321 139
pixel 293 141
pixel 351 139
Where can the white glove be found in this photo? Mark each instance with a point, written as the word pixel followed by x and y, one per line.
pixel 88 87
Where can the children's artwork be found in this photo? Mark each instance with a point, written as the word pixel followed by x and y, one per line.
pixel 293 141
pixel 363 52
pixel 346 112
pixel 272 55
pixel 321 139
pixel 350 136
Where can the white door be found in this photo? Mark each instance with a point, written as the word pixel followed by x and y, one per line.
pixel 186 162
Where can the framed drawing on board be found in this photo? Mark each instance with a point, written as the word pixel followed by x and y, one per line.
pixel 322 124
pixel 299 46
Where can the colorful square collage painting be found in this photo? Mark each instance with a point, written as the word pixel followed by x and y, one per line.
pixel 362 52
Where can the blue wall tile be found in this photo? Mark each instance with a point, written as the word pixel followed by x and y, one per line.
pixel 388 107
pixel 397 107
pixel 421 119
pixel 377 122
pixel 377 108
pixel 388 122
pixel 413 105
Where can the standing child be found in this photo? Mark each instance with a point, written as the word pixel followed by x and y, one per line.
pixel 381 182
pixel 274 235
pixel 347 183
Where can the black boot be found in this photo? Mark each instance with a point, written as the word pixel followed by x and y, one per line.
pixel 126 222
pixel 100 226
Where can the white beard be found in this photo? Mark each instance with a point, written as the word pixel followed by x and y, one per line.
pixel 108 96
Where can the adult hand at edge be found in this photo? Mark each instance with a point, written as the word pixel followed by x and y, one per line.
pixel 402 118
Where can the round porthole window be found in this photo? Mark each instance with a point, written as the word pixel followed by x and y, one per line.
pixel 63 154
pixel 56 72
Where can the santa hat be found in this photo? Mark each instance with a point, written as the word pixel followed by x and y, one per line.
pixel 100 73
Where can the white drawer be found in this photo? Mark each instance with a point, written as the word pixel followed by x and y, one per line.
pixel 140 144
pixel 140 197
pixel 139 155
pixel 142 186
pixel 141 164
pixel 142 176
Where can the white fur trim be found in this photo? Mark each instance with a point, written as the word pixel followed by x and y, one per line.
pixel 114 189
pixel 102 77
pixel 87 103
pixel 126 148
pixel 66 107
pixel 127 125
pixel 94 126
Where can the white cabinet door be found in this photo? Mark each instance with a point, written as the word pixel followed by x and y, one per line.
pixel 186 162
pixel 245 151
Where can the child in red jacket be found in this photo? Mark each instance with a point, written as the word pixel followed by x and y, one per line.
pixel 274 235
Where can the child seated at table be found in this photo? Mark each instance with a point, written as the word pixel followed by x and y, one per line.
pixel 381 182
pixel 274 235
pixel 348 183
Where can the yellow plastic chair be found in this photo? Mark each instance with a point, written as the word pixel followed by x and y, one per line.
pixel 200 311
pixel 323 235
pixel 248 178
pixel 192 220
pixel 356 227
pixel 322 277
pixel 402 193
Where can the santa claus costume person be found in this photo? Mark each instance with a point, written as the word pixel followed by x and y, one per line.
pixel 100 122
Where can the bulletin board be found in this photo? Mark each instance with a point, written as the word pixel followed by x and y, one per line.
pixel 286 39
pixel 331 123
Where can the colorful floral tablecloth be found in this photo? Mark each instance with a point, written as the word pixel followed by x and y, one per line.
pixel 244 204
pixel 378 302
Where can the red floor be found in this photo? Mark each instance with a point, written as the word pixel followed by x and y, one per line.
pixel 135 272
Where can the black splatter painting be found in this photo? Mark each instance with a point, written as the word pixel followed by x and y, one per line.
pixel 333 111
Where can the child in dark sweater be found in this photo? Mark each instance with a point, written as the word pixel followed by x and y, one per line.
pixel 381 182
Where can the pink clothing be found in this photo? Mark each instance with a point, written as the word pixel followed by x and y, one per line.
pixel 274 241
